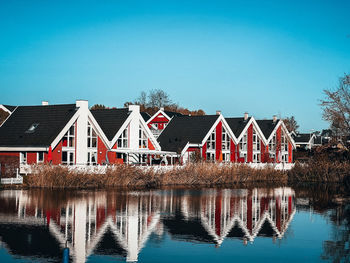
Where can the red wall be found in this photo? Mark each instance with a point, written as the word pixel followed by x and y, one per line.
pixel 150 145
pixel 278 143
pixel 232 151
pixel 160 120
pixel 101 151
pixel 250 144
pixel 31 157
pixel 263 152
pixel 218 141
pixel 204 151
pixel 57 154
pixel 290 152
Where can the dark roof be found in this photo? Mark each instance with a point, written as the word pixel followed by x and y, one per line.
pixel 302 137
pixel 172 113
pixel 184 129
pixel 50 121
pixel 9 107
pixel 237 125
pixel 145 116
pixel 267 126
pixel 110 120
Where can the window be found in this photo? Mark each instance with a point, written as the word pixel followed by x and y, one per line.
pixel 256 141
pixel 256 158
pixel 23 158
pixel 68 138
pixel 32 128
pixel 68 157
pixel 211 156
pixel 272 143
pixel 123 139
pixel 243 143
pixel 225 140
pixel 92 137
pixel 92 145
pixel 284 143
pixel 143 140
pixel 40 157
pixel 211 141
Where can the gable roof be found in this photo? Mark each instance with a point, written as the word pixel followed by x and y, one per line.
pixel 185 129
pixel 303 137
pixel 172 113
pixel 50 120
pixel 145 116
pixel 267 127
pixel 9 107
pixel 110 120
pixel 237 125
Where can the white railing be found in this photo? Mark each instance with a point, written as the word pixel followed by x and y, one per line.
pixel 13 180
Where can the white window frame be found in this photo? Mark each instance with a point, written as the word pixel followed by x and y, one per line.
pixel 211 142
pixel 92 141
pixel 38 159
pixel 70 155
pixel 122 141
pixel 70 148
pixel 143 139
pixel 23 157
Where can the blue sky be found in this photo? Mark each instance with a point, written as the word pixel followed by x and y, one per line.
pixel 264 57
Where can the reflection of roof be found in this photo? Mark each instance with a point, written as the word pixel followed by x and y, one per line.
pixel 237 125
pixel 187 230
pixel 108 245
pixel 110 120
pixel 267 126
pixel 185 129
pixel 28 242
pixel 49 121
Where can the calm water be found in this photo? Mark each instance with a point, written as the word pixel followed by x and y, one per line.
pixel 289 224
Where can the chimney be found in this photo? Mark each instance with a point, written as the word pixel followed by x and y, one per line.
pixel 44 103
pixel 246 116
pixel 134 135
pixel 274 118
pixel 82 104
pixel 134 108
pixel 218 112
pixel 162 108
pixel 81 152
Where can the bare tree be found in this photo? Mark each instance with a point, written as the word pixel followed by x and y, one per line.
pixel 291 124
pixel 142 99
pixel 336 107
pixel 158 98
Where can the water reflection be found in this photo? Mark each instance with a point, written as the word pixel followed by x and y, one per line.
pixel 39 224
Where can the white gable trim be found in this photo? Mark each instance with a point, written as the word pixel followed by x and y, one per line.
pixel 156 114
pixel 24 149
pixel 285 130
pixel 65 129
pixel 6 109
pixel 256 127
pixel 8 116
pixel 150 134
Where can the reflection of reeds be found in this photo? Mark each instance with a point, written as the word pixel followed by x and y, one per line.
pixel 320 170
pixel 205 174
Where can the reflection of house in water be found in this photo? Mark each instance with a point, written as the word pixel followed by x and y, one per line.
pixel 119 224
pixel 243 214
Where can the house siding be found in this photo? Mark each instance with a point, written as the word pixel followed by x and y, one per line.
pixel 218 142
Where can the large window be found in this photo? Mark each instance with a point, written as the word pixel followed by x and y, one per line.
pixel 243 143
pixel 211 141
pixel 272 144
pixel 284 143
pixel 68 146
pixel 256 141
pixel 123 139
pixel 92 145
pixel 225 140
pixel 143 140
pixel 40 157
pixel 68 138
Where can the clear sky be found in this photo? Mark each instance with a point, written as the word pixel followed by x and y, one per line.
pixel 263 57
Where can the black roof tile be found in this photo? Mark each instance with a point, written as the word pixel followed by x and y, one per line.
pixel 302 137
pixel 9 107
pixel 237 125
pixel 172 113
pixel 145 116
pixel 50 121
pixel 110 120
pixel 267 127
pixel 185 129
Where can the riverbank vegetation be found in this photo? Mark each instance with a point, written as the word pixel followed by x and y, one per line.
pixel 198 174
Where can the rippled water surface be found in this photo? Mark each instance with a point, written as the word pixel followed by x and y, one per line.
pixel 307 223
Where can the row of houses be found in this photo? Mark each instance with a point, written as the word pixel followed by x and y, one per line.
pixel 73 134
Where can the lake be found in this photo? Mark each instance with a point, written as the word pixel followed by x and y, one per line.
pixel 304 223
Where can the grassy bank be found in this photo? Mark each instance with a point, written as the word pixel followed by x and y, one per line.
pixel 318 170
pixel 199 174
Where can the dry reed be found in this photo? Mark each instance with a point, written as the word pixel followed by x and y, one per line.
pixel 197 174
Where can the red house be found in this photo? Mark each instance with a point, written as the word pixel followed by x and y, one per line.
pixel 160 120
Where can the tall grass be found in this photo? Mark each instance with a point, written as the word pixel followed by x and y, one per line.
pixel 198 174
